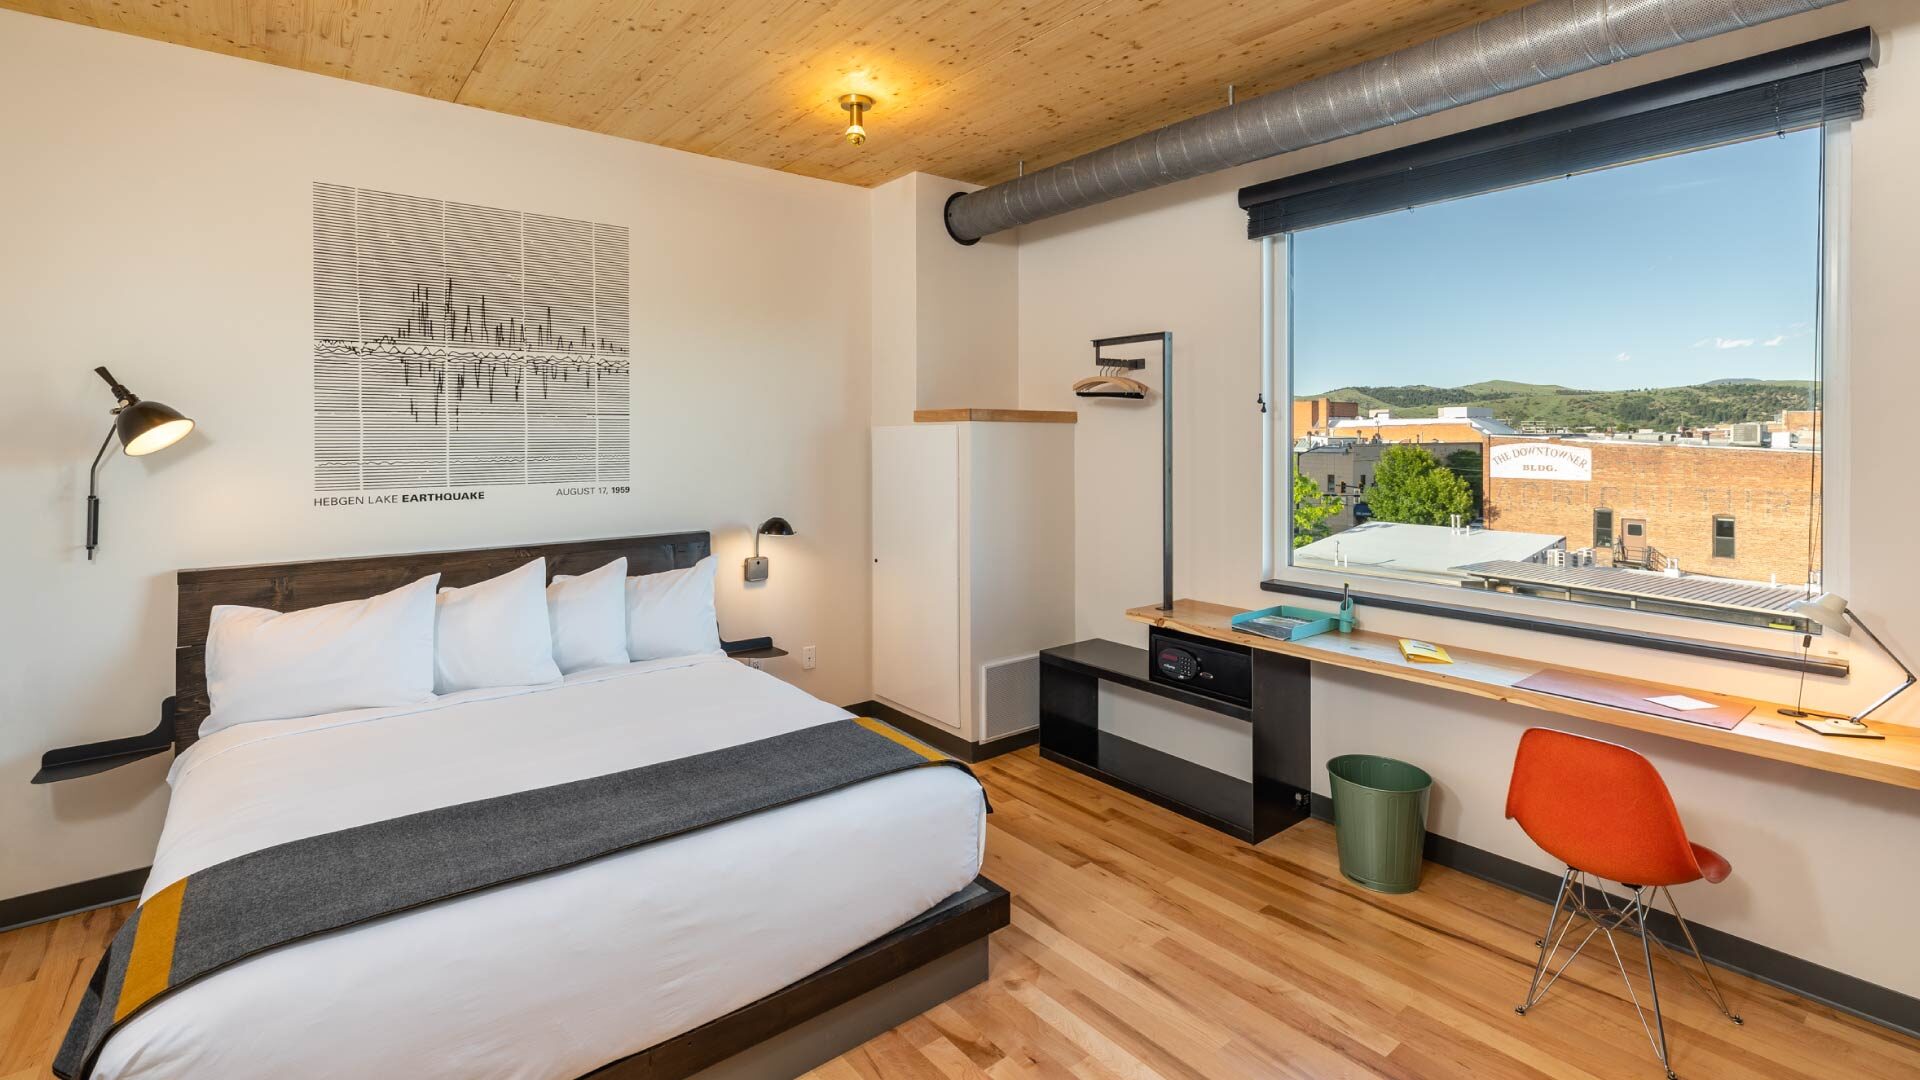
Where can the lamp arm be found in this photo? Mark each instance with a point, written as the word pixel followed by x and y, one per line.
pixel 1891 655
pixel 93 494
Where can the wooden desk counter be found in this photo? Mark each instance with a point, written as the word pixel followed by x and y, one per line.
pixel 1764 733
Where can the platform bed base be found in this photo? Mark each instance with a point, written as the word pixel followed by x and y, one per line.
pixel 839 1007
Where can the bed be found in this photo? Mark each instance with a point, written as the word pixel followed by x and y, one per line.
pixel 757 947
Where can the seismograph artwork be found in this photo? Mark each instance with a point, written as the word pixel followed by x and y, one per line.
pixel 462 346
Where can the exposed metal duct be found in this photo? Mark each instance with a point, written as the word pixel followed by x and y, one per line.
pixel 1538 43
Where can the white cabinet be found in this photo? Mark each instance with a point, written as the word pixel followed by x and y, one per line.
pixel 973 565
pixel 916 568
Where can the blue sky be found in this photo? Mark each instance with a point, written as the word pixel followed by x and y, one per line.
pixel 1666 273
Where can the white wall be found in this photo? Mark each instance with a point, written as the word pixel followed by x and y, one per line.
pixel 968 310
pixel 158 222
pixel 944 316
pixel 1817 869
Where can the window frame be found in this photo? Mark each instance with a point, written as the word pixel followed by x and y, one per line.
pixel 1674 632
pixel 1732 537
pixel 1613 524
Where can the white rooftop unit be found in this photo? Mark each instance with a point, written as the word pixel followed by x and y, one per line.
pixel 1422 552
pixel 1465 412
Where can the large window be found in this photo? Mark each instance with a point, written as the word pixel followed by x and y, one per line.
pixel 1572 388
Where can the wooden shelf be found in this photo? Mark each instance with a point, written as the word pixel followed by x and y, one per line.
pixel 1764 733
pixel 1001 416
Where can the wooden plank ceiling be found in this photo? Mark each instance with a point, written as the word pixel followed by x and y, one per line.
pixel 965 88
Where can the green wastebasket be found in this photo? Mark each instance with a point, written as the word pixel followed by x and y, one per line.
pixel 1380 819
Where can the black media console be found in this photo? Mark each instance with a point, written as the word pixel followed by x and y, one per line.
pixel 1206 674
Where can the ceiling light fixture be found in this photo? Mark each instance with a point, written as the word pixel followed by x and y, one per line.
pixel 856 106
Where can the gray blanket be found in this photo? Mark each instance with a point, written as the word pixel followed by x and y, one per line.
pixel 281 895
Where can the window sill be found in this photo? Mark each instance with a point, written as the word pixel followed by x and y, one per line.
pixel 1738 654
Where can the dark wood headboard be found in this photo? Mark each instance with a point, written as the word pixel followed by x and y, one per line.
pixel 296 585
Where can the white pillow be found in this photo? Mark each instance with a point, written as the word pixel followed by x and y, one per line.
pixel 494 633
pixel 671 614
pixel 270 665
pixel 588 616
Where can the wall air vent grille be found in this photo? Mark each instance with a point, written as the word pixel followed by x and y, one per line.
pixel 1009 696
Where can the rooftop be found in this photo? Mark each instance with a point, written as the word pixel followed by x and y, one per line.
pixel 1347 444
pixel 1425 552
pixel 1652 440
pixel 1484 425
pixel 1641 585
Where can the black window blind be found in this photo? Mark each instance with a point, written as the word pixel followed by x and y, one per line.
pixel 1789 90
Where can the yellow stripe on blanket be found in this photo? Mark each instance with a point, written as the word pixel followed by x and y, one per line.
pixel 150 962
pixel 909 742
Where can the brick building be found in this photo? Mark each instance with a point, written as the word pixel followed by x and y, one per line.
pixel 1316 416
pixel 1455 424
pixel 1802 425
pixel 1736 512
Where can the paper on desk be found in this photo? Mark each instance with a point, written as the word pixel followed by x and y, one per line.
pixel 1682 702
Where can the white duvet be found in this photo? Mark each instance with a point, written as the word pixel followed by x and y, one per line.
pixel 555 976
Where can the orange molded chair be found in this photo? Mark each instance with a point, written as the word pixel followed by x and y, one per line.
pixel 1604 811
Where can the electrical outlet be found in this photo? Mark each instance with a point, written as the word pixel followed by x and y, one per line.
pixel 757 664
pixel 808 658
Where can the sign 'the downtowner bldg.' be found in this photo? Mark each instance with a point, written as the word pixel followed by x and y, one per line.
pixel 1540 461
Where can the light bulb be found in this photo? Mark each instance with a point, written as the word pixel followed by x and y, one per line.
pixel 159 438
pixel 856 106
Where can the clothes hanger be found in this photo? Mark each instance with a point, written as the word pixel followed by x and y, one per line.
pixel 1110 383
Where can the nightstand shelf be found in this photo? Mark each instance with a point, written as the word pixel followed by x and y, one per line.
pixel 72 762
pixel 759 648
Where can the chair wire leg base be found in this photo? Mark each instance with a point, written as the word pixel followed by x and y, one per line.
pixel 1540 965
pixel 1581 899
pixel 1653 984
pixel 1711 987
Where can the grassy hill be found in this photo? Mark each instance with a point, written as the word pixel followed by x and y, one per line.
pixel 1665 408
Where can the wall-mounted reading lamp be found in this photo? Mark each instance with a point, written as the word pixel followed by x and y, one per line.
pixel 757 565
pixel 143 427
pixel 1830 610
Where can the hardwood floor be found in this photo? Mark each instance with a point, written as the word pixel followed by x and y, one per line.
pixel 1145 946
pixel 43 968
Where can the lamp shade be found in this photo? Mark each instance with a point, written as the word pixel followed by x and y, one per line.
pixel 1827 609
pixel 776 526
pixel 147 426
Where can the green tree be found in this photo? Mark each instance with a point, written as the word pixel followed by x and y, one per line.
pixel 1466 464
pixel 1311 509
pixel 1411 486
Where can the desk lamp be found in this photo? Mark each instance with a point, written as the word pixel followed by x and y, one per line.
pixel 1830 610
pixel 143 427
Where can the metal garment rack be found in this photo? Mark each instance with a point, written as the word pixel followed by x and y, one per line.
pixel 1165 340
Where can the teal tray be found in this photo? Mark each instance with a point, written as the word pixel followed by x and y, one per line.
pixel 1313 622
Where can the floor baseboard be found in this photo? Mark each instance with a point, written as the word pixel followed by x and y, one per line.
pixel 1869 1001
pixel 945 741
pixel 63 900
